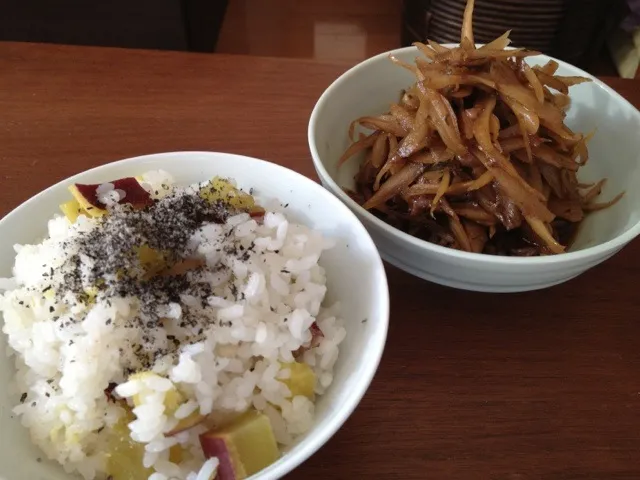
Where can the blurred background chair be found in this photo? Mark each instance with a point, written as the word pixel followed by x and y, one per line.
pixel 572 30
pixel 192 25
pixel 348 31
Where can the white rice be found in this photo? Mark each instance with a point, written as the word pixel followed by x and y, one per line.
pixel 62 372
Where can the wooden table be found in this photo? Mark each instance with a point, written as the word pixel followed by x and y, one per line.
pixel 541 385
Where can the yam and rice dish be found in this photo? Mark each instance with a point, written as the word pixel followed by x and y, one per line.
pixel 169 332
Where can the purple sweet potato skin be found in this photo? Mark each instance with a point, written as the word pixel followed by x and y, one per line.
pixel 213 446
pixel 136 195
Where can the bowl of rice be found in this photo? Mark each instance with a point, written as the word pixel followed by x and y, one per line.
pixel 186 315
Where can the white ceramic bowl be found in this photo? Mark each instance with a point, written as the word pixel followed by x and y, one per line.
pixel 355 274
pixel 371 86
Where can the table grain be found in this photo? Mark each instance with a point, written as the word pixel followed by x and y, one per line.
pixel 539 385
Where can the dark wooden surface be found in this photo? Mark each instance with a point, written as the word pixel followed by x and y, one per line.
pixel 542 385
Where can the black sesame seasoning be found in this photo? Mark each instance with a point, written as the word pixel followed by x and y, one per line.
pixel 23 397
pixel 51 309
pixel 46 289
pixel 116 270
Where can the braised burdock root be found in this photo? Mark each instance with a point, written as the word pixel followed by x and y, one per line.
pixel 475 155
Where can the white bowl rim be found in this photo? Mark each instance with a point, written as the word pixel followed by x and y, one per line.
pixel 595 250
pixel 357 386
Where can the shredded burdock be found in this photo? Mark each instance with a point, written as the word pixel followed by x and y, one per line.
pixel 476 155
